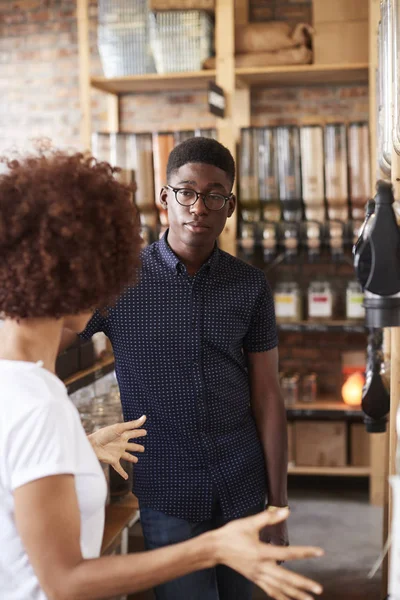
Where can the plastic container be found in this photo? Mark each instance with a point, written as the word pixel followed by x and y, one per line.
pixel 336 179
pixel 181 40
pixel 309 388
pixel 289 172
pixel 312 171
pixel 359 168
pixel 320 300
pixel 290 388
pixel 268 179
pixel 123 38
pixel 354 301
pixel 249 184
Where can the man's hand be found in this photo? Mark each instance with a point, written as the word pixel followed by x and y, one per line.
pixel 113 443
pixel 276 534
pixel 238 547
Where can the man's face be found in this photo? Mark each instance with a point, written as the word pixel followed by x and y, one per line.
pixel 197 225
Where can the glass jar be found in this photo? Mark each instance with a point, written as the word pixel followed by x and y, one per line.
pixel 354 301
pixel 287 298
pixel 290 388
pixel 309 388
pixel 320 300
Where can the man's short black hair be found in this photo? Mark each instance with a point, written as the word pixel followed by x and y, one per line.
pixel 201 150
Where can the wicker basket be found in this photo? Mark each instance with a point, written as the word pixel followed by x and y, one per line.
pixel 123 38
pixel 181 40
pixel 157 5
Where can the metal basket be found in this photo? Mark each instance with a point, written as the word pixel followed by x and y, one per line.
pixel 123 38
pixel 181 40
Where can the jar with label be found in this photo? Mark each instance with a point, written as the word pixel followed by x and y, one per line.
pixel 354 301
pixel 320 300
pixel 290 388
pixel 287 298
pixel 309 388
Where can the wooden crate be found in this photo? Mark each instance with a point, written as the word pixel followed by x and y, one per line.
pixel 359 445
pixel 320 443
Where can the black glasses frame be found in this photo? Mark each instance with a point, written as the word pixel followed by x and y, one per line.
pixel 198 194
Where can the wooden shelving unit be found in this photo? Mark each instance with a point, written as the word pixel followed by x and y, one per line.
pixel 327 409
pixel 237 84
pixel 323 327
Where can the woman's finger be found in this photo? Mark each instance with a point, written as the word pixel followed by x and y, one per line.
pixel 132 434
pixel 134 448
pixel 291 591
pixel 117 467
pixel 293 579
pixel 271 552
pixel 271 590
pixel 134 424
pixel 128 457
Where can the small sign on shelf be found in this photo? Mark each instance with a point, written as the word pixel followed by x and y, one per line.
pixel 216 100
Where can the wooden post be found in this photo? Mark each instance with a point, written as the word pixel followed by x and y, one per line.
pixel 225 67
pixel 84 72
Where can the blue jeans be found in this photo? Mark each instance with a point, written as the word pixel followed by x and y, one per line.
pixel 219 583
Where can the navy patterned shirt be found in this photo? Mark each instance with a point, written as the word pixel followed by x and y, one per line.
pixel 180 344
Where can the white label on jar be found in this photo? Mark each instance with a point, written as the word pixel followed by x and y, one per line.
pixel 354 307
pixel 319 305
pixel 285 305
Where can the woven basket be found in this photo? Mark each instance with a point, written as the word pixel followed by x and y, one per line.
pixel 181 40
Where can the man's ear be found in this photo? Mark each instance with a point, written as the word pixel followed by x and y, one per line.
pixel 164 197
pixel 231 205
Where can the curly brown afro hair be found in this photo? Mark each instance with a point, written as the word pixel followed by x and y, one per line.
pixel 69 235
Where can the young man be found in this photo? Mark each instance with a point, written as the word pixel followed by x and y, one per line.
pixel 196 351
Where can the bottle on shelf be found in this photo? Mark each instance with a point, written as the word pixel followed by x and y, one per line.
pixel 289 172
pixel 288 302
pixel 320 301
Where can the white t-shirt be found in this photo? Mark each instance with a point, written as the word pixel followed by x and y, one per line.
pixel 41 435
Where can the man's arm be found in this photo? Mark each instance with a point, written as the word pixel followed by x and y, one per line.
pixel 270 416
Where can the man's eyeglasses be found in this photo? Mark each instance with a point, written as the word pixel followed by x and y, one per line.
pixel 188 197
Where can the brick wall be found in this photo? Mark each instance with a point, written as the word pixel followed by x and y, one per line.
pixel 39 81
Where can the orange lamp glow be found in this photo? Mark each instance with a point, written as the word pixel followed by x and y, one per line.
pixel 352 389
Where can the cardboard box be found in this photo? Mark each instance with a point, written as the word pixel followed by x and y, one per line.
pixel 359 445
pixel 338 42
pixel 320 444
pixel 328 11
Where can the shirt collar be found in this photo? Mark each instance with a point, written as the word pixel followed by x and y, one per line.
pixel 173 262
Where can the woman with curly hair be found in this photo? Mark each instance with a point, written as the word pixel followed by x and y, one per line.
pixel 69 242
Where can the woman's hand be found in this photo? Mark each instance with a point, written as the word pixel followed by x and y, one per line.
pixel 113 443
pixel 239 547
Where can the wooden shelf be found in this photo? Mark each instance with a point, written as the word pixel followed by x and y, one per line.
pixel 250 76
pixel 118 516
pixel 331 471
pixel 153 82
pixel 327 409
pixel 88 376
pixel 302 75
pixel 323 326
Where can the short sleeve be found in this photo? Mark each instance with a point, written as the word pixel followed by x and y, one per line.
pixel 262 335
pixel 42 443
pixel 98 323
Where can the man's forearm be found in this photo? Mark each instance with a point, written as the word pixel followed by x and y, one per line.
pixel 270 416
